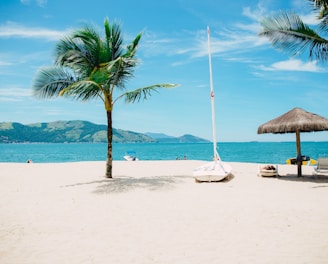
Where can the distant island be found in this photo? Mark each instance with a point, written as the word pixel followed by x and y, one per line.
pixel 78 131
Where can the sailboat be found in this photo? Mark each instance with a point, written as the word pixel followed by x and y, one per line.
pixel 215 170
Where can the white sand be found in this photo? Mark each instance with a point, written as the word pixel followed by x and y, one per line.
pixel 154 212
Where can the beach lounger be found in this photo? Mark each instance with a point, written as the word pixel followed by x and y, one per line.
pixel 268 170
pixel 322 167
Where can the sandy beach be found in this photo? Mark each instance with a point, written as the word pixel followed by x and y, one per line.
pixel 154 212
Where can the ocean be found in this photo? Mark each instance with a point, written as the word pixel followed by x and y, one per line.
pixel 253 152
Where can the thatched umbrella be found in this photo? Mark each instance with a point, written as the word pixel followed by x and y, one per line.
pixel 295 121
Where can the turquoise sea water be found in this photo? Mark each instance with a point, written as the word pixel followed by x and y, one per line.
pixel 254 152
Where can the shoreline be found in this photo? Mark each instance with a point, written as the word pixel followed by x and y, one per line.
pixel 154 212
pixel 130 168
pixel 257 152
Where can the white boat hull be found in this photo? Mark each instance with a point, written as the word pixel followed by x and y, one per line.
pixel 130 158
pixel 212 172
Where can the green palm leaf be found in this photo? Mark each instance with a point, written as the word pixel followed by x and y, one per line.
pixel 83 90
pixel 288 33
pixel 121 70
pixel 144 93
pixel 321 6
pixel 80 50
pixel 50 81
pixel 113 40
pixel 132 48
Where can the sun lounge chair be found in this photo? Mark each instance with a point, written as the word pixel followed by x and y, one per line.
pixel 322 167
pixel 268 170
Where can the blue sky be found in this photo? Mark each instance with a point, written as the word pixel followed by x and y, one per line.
pixel 253 82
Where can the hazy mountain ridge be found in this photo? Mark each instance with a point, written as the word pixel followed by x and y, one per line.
pixel 79 131
pixel 163 138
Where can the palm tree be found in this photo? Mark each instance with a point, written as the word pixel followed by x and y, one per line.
pixel 88 67
pixel 288 32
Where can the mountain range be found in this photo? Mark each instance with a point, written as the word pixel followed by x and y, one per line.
pixel 81 131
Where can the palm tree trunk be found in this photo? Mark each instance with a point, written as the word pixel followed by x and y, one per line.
pixel 109 163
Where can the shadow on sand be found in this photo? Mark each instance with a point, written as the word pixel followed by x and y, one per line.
pixel 304 178
pixel 121 184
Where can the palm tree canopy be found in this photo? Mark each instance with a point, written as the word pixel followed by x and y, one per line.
pixel 88 66
pixel 287 32
pixel 321 6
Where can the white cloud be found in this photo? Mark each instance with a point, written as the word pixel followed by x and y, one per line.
pixel 14 93
pixel 5 63
pixel 239 38
pixel 310 19
pixel 41 2
pixel 293 65
pixel 11 29
pixel 38 2
pixel 254 14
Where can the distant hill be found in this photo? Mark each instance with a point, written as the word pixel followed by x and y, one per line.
pixel 162 138
pixel 78 131
pixel 158 135
pixel 65 131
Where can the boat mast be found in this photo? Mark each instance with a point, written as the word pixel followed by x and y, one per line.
pixel 216 155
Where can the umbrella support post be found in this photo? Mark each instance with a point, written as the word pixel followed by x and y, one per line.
pixel 299 166
pixel 299 156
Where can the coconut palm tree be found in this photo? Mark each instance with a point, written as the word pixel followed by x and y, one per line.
pixel 88 66
pixel 288 32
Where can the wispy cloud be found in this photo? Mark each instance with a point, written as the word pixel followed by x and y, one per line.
pixel 22 65
pixel 293 65
pixel 240 37
pixel 154 44
pixel 255 14
pixel 38 2
pixel 11 29
pixel 310 19
pixel 5 63
pixel 14 94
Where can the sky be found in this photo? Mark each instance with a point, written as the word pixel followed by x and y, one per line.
pixel 253 82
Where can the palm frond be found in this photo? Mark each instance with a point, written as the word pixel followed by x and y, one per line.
pixel 50 81
pixel 132 48
pixel 138 94
pixel 321 6
pixel 121 70
pixel 80 50
pixel 287 32
pixel 143 93
pixel 114 40
pixel 91 44
pixel 323 26
pixel 83 90
pixel 71 55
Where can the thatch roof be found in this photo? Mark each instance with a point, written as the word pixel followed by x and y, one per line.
pixel 295 120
